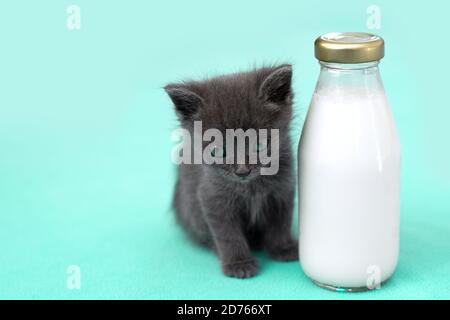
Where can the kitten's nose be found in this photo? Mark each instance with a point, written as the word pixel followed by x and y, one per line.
pixel 242 171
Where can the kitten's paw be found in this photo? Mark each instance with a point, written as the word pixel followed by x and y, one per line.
pixel 241 269
pixel 285 252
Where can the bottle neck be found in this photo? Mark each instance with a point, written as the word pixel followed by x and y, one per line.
pixel 349 66
pixel 358 78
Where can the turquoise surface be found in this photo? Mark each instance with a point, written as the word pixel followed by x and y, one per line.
pixel 85 171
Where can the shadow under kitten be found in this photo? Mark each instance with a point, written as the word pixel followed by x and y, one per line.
pixel 232 207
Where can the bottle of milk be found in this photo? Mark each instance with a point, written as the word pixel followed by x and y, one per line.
pixel 349 169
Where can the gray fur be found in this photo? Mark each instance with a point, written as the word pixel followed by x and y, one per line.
pixel 231 215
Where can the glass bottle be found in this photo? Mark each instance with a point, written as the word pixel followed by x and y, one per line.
pixel 349 169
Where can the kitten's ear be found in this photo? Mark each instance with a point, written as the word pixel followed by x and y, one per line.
pixel 186 102
pixel 277 86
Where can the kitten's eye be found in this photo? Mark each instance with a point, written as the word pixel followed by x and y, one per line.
pixel 261 147
pixel 218 152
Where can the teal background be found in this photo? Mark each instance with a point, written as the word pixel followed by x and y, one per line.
pixel 85 171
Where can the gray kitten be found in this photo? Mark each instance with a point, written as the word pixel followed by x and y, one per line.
pixel 232 207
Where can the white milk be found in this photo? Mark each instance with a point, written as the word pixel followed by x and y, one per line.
pixel 349 180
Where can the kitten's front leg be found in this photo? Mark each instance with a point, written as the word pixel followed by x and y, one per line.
pixel 230 243
pixel 278 240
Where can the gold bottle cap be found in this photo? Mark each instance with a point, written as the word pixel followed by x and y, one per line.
pixel 349 47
